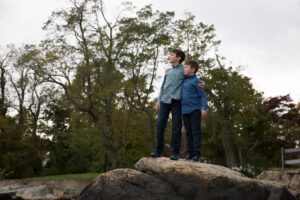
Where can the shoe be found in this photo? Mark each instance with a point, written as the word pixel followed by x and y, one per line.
pixel 174 157
pixel 155 155
pixel 188 157
pixel 196 158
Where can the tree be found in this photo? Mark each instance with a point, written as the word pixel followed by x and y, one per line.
pixel 3 83
pixel 106 70
pixel 18 157
pixel 21 146
pixel 236 104
pixel 88 88
pixel 283 128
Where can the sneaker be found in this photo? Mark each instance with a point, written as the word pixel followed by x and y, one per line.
pixel 196 158
pixel 155 155
pixel 188 157
pixel 174 157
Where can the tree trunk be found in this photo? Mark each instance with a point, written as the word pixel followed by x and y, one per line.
pixel 151 129
pixel 241 158
pixel 229 152
pixel 3 108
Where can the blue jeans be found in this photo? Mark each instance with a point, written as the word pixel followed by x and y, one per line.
pixel 164 111
pixel 192 124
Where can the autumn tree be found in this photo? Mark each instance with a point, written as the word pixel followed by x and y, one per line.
pixel 106 69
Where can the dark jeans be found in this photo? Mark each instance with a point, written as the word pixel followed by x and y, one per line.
pixel 164 111
pixel 192 124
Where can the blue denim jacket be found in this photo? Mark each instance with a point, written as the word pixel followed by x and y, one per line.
pixel 193 97
pixel 172 85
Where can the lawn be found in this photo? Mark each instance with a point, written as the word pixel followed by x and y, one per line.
pixel 85 176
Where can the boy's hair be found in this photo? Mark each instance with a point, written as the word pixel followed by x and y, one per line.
pixel 179 53
pixel 194 64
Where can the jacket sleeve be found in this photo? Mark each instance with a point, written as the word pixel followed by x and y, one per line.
pixel 202 94
pixel 161 89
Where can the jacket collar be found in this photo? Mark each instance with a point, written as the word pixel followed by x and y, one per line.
pixel 192 76
pixel 175 66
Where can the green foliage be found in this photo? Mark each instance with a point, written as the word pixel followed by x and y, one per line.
pixel 73 145
pixel 19 158
pixel 107 76
pixel 84 96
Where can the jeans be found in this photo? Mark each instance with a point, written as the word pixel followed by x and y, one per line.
pixel 192 124
pixel 164 111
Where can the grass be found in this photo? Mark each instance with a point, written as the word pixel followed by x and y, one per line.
pixel 85 176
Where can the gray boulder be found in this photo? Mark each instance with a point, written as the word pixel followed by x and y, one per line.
pixel 127 184
pixel 27 189
pixel 288 180
pixel 195 180
pixel 278 191
pixel 162 178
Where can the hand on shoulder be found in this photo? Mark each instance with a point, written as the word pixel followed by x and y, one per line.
pixel 201 84
pixel 167 70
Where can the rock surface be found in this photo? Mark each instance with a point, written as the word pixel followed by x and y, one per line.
pixel 41 190
pixel 278 191
pixel 161 178
pixel 195 180
pixel 127 184
pixel 287 178
pixel 291 178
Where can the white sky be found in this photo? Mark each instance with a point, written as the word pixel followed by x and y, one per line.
pixel 261 35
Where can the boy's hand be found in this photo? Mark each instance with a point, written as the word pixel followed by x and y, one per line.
pixel 203 113
pixel 167 70
pixel 201 84
pixel 157 106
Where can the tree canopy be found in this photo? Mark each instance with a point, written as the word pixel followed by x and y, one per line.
pixel 83 98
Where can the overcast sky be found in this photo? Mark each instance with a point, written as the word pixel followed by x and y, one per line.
pixel 261 35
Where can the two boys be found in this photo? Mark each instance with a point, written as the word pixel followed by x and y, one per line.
pixel 180 93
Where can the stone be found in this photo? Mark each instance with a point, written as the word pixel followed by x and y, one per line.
pixel 289 180
pixel 278 191
pixel 195 180
pixel 127 184
pixel 27 189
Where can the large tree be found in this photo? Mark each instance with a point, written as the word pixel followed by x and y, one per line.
pixel 106 69
pixel 4 60
pixel 88 87
pixel 28 90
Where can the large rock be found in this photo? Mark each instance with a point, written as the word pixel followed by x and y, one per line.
pixel 127 184
pixel 289 179
pixel 27 189
pixel 278 191
pixel 161 178
pixel 195 180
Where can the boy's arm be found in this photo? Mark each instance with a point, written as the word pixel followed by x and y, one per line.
pixel 160 92
pixel 201 93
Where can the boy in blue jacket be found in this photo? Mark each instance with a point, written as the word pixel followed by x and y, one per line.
pixel 194 107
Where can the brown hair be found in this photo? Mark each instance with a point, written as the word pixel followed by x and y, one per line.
pixel 194 64
pixel 179 53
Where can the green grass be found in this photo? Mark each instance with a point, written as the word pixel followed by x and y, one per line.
pixel 85 176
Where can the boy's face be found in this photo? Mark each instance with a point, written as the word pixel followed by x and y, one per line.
pixel 187 70
pixel 173 59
